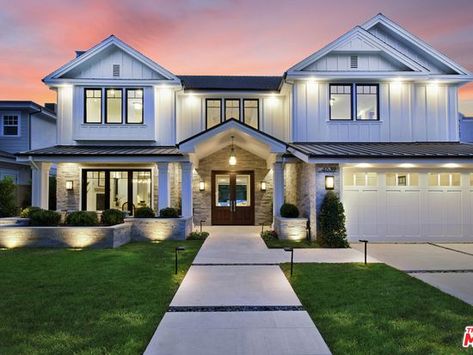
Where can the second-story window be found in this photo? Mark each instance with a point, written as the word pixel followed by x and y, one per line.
pixel 232 109
pixel 134 106
pixel 213 112
pixel 10 125
pixel 251 112
pixel 113 106
pixel 354 101
pixel 366 102
pixel 93 106
pixel 340 101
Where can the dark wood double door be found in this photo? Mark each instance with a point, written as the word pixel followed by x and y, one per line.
pixel 233 198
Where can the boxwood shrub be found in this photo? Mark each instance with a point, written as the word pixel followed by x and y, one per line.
pixel 44 218
pixel 26 212
pixel 169 212
pixel 144 212
pixel 288 210
pixel 82 218
pixel 112 216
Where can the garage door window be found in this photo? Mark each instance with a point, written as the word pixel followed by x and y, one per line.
pixel 402 179
pixel 444 179
pixel 360 179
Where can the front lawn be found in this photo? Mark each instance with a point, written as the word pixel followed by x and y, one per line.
pixel 376 309
pixel 88 301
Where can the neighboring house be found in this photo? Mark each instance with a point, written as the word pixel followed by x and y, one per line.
pixel 373 115
pixel 24 125
pixel 466 129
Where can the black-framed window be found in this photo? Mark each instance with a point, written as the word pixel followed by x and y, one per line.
pixel 11 124
pixel 113 105
pixel 251 112
pixel 367 101
pixel 134 106
pixel 93 106
pixel 232 109
pixel 354 101
pixel 213 112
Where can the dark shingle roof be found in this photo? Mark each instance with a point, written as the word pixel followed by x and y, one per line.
pixel 7 155
pixel 93 150
pixel 223 82
pixel 386 150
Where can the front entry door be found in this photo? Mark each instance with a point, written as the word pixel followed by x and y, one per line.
pixel 233 198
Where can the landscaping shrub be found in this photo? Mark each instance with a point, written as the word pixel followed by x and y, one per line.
pixel 112 217
pixel 44 218
pixel 82 218
pixel 269 234
pixel 288 210
pixel 169 213
pixel 144 212
pixel 26 212
pixel 8 207
pixel 198 235
pixel 331 227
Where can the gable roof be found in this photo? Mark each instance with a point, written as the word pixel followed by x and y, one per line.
pixel 416 41
pixel 30 106
pixel 229 82
pixel 55 77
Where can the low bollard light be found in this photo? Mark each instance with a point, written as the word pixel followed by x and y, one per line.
pixel 201 221
pixel 292 257
pixel 366 249
pixel 262 227
pixel 178 249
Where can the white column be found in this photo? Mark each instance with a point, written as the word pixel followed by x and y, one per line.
pixel 164 192
pixel 40 185
pixel 186 185
pixel 278 188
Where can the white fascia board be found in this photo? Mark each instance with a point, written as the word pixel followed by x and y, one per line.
pixel 125 82
pixel 380 18
pixel 112 40
pixel 373 40
pixel 103 159
pixel 418 161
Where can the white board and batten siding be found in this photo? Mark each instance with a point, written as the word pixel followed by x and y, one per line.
pixel 408 112
pixel 421 213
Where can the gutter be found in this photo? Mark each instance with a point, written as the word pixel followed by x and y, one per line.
pixel 32 162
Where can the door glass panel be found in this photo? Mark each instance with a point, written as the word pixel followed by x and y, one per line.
pixel 242 190
pixel 141 189
pixel 222 192
pixel 119 190
pixel 95 190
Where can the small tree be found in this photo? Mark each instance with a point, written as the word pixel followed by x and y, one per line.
pixel 8 207
pixel 331 227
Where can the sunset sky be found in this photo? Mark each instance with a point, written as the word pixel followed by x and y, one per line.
pixel 251 37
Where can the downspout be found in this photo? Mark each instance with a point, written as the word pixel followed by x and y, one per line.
pixel 32 162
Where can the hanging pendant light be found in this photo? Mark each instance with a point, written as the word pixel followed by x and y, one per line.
pixel 232 160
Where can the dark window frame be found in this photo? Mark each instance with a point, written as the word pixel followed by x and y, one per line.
pixel 355 98
pixel 101 105
pixel 105 107
pixel 257 112
pixel 225 108
pixel 354 102
pixel 142 106
pixel 206 110
pixel 330 98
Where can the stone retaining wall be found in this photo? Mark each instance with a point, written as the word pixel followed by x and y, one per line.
pixel 159 228
pixel 290 228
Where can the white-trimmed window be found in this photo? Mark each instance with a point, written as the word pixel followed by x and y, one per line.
pixel 360 179
pixel 11 125
pixel 444 179
pixel 402 179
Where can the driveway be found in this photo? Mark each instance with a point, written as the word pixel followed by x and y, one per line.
pixel 448 267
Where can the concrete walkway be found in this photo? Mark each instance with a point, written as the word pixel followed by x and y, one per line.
pixel 236 300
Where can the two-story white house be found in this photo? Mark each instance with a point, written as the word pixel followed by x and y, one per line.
pixel 373 115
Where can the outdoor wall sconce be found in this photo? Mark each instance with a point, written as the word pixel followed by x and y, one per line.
pixel 329 182
pixel 263 185
pixel 202 185
pixel 69 185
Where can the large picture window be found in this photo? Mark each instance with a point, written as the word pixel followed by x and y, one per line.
pixel 340 102
pixel 134 106
pixel 232 109
pixel 366 102
pixel 93 106
pixel 113 106
pixel 354 101
pixel 213 111
pixel 251 112
pixel 10 125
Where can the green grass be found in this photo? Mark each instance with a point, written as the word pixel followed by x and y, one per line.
pixel 376 309
pixel 272 242
pixel 87 301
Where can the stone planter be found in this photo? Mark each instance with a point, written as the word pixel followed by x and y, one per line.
pixel 65 237
pixel 159 228
pixel 290 228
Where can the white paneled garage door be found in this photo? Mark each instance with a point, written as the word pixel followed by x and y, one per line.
pixel 418 205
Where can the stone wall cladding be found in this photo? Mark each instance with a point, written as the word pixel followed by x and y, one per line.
pixel 245 161
pixel 175 184
pixel 306 195
pixel 145 229
pixel 291 182
pixel 68 200
pixel 290 228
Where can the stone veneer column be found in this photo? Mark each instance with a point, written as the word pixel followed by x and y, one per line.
pixel 164 191
pixel 278 189
pixel 40 185
pixel 186 185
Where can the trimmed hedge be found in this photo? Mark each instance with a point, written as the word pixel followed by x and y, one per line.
pixel 169 212
pixel 8 207
pixel 82 218
pixel 26 212
pixel 44 218
pixel 112 217
pixel 332 232
pixel 198 235
pixel 144 212
pixel 288 210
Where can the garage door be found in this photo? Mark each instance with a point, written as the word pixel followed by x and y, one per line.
pixel 390 206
